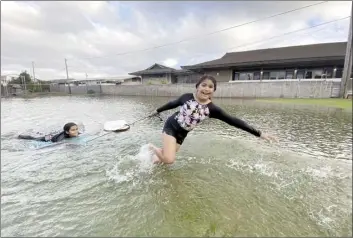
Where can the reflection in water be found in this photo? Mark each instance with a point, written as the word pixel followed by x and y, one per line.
pixel 225 182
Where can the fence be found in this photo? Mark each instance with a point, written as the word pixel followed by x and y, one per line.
pixel 9 90
pixel 77 89
pixel 305 88
pixel 314 88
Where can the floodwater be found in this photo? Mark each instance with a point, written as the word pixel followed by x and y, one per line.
pixel 225 182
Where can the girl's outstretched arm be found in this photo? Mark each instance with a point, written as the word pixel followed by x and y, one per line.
pixel 218 113
pixel 173 104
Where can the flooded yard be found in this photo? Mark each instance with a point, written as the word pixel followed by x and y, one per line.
pixel 225 182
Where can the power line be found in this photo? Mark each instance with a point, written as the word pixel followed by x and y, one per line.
pixel 199 36
pixel 284 34
pixel 281 35
pixel 270 38
pixel 287 33
pixel 210 33
pixel 259 41
pixel 291 32
pixel 23 60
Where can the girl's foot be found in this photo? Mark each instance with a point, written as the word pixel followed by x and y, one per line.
pixel 152 147
pixel 156 159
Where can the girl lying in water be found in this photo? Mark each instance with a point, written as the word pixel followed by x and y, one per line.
pixel 70 130
pixel 194 108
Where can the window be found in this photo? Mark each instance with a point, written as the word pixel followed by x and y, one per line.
pixel 281 74
pixel 300 74
pixel 317 73
pixel 257 75
pixel 273 75
pixel 266 75
pixel 328 73
pixel 236 76
pixel 339 73
pixel 243 76
pixel 289 74
pixel 308 74
pixel 249 76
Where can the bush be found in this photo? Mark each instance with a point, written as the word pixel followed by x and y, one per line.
pixel 33 88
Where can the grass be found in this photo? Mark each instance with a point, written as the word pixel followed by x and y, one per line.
pixel 326 102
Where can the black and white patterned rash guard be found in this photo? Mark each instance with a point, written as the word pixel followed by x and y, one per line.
pixel 192 113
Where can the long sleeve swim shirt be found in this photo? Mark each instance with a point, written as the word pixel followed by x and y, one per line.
pixel 192 113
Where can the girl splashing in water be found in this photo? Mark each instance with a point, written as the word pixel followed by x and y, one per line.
pixel 194 108
pixel 70 130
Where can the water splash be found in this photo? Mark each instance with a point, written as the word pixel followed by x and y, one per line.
pixel 145 157
pixel 130 168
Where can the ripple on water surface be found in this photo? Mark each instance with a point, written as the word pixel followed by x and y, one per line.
pixel 224 183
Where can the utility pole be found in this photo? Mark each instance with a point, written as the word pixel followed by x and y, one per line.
pixel 67 75
pixel 24 82
pixel 86 83
pixel 34 76
pixel 348 60
pixel 67 72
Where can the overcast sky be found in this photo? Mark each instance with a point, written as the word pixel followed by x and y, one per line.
pixel 92 34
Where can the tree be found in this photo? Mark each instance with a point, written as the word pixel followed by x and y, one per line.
pixel 19 79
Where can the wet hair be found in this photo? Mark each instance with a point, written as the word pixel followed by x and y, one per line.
pixel 64 133
pixel 68 126
pixel 207 77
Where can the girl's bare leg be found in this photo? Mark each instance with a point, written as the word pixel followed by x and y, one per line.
pixel 167 154
pixel 158 154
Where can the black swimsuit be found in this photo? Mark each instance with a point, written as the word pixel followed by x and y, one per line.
pixel 192 113
pixel 56 138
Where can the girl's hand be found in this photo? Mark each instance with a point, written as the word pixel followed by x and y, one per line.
pixel 269 137
pixel 154 113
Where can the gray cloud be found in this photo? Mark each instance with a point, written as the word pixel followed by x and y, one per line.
pixel 90 34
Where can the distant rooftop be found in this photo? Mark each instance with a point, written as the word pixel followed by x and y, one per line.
pixel 274 55
pixel 159 69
